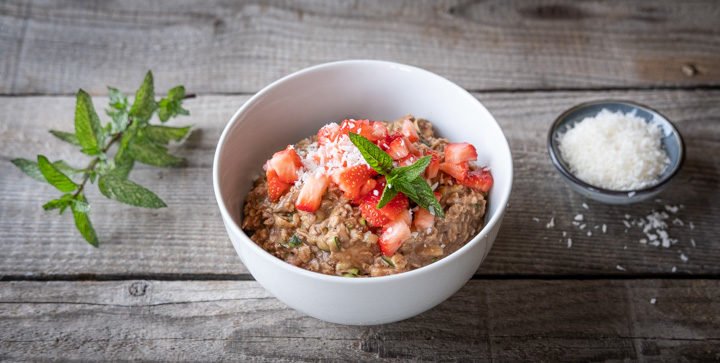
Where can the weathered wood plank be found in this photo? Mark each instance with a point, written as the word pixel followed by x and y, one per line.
pixel 242 46
pixel 188 237
pixel 487 320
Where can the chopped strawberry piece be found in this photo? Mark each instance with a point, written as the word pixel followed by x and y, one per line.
pixel 379 131
pixel 409 131
pixel 328 133
pixel 423 219
pixel 411 147
pixel 368 187
pixel 352 179
pixel 398 149
pixel 286 164
pixel 408 160
pixel 459 152
pixel 312 192
pixel 395 207
pixel 434 166
pixel 393 236
pixel 406 217
pixel 480 179
pixel 276 187
pixel 371 214
pixel 457 171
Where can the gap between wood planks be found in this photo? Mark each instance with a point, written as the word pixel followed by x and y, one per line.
pixel 249 277
pixel 701 87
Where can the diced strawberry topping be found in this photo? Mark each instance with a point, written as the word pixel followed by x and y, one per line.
pixel 423 219
pixel 371 214
pixel 276 187
pixel 351 180
pixel 312 192
pixel 480 179
pixel 398 148
pixel 408 160
pixel 393 236
pixel 409 131
pixel 457 171
pixel 286 164
pixel 328 133
pixel 367 187
pixel 379 131
pixel 459 152
pixel 371 130
pixel 395 207
pixel 434 166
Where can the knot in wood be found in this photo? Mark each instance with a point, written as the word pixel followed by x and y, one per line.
pixel 138 288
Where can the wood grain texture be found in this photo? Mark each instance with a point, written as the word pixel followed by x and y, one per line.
pixel 241 46
pixel 238 320
pixel 188 238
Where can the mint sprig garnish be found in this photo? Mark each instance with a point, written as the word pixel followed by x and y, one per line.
pixel 129 134
pixel 405 179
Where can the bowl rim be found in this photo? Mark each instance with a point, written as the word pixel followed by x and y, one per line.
pixel 233 227
pixel 555 158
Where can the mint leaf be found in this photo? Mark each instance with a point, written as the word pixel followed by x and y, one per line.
pixel 68 137
pixel 30 168
pixel 128 192
pixel 117 100
pixel 373 155
pixel 123 165
pixel 60 203
pixel 66 169
pixel 387 195
pixel 171 105
pixel 82 221
pixel 87 124
pixel 411 172
pixel 144 104
pixel 150 153
pixel 426 198
pixel 165 134
pixel 54 176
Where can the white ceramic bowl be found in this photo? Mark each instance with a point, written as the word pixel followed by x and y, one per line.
pixel 295 107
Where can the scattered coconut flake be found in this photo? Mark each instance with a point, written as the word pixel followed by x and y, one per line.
pixel 569 242
pixel 692 226
pixel 582 226
pixel 627 224
pixel 692 242
pixel 550 224
pixel 627 216
pixel 376 192
pixel 575 223
pixel 671 208
pixel 653 301
pixel 631 194
pixel 579 217
pixel 620 268
pixel 678 222
pixel 589 234
pixel 604 228
pixel 625 247
pixel 683 257
pixel 536 219
pixel 584 205
pixel 674 269
pixel 434 186
pixel 643 241
pixel 564 234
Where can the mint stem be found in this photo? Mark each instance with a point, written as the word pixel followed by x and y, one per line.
pixel 93 163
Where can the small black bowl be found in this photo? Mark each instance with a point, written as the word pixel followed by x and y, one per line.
pixel 672 142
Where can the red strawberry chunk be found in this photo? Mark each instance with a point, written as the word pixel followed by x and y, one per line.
pixel 379 131
pixel 409 131
pixel 328 133
pixel 459 152
pixel 312 192
pixel 398 148
pixel 395 207
pixel 371 214
pixel 434 166
pixel 457 171
pixel 286 164
pixel 351 180
pixel 367 187
pixel 371 130
pixel 480 179
pixel 408 160
pixel 423 219
pixel 276 187
pixel 393 236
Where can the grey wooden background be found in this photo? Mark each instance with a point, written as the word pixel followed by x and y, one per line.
pixel 167 285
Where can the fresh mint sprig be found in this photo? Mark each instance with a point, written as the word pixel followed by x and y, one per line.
pixel 405 179
pixel 132 137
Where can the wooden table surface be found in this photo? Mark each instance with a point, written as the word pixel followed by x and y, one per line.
pixel 167 284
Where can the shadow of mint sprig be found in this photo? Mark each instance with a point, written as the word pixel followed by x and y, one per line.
pixel 129 134
pixel 405 179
